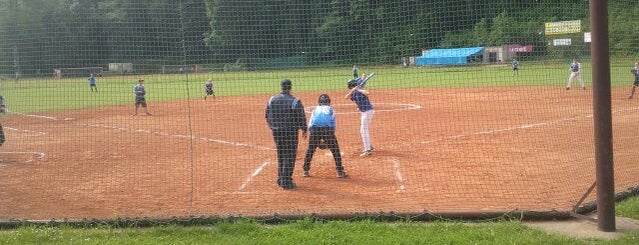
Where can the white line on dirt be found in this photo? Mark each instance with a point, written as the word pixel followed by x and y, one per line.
pixel 524 126
pixel 255 173
pixel 39 116
pixel 145 131
pixel 40 155
pixel 398 175
pixel 37 133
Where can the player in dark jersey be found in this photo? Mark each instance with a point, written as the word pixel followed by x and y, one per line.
pixel 208 89
pixel 361 99
pixel 635 84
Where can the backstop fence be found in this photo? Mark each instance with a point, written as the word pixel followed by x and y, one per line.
pixel 508 128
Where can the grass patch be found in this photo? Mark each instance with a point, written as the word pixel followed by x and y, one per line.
pixel 305 231
pixel 47 94
pixel 629 207
pixel 297 232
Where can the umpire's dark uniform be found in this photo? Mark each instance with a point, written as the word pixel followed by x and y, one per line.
pixel 285 116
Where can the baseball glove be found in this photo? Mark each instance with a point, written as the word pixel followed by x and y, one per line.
pixel 322 145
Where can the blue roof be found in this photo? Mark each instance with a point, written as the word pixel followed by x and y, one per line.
pixel 447 56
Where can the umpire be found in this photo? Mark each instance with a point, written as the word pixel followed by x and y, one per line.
pixel 285 116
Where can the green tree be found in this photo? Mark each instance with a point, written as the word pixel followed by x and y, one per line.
pixel 502 30
pixel 624 34
pixel 480 33
pixel 195 25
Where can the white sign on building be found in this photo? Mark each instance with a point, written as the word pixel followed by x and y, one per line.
pixel 587 37
pixel 562 42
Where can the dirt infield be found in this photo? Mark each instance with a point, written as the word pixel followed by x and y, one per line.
pixel 438 150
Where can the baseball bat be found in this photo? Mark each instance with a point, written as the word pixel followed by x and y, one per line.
pixel 362 84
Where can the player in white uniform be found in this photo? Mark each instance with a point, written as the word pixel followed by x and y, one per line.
pixel 575 71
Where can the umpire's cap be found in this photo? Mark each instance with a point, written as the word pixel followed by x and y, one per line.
pixel 286 84
pixel 353 83
pixel 324 100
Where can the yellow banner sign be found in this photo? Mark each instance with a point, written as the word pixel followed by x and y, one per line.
pixel 563 27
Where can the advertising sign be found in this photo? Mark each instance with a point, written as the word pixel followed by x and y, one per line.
pixel 562 42
pixel 520 49
pixel 563 27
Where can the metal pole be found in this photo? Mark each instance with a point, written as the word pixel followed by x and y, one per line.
pixel 602 115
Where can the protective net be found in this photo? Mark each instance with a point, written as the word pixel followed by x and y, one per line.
pixel 474 106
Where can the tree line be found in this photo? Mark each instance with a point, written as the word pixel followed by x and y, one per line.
pixel 39 35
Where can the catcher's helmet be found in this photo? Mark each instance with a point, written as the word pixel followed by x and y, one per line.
pixel 353 83
pixel 324 100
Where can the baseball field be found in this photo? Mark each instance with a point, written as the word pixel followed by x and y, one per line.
pixel 448 139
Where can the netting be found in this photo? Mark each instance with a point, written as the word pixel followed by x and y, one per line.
pixel 475 106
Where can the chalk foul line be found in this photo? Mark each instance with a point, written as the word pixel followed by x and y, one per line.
pixel 32 154
pixel 31 132
pixel 255 173
pixel 398 175
pixel 519 127
pixel 145 131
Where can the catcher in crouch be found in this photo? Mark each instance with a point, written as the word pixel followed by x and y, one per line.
pixel 322 127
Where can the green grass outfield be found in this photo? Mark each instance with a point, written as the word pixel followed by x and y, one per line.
pixel 48 94
pixel 314 232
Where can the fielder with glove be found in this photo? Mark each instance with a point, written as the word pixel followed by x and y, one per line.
pixel 322 127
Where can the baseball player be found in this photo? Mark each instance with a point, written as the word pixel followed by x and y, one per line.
pixel 515 64
pixel 3 109
pixel 1 135
pixel 322 128
pixel 361 99
pixel 355 73
pixel 92 83
pixel 140 100
pixel 208 89
pixel 575 71
pixel 635 84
